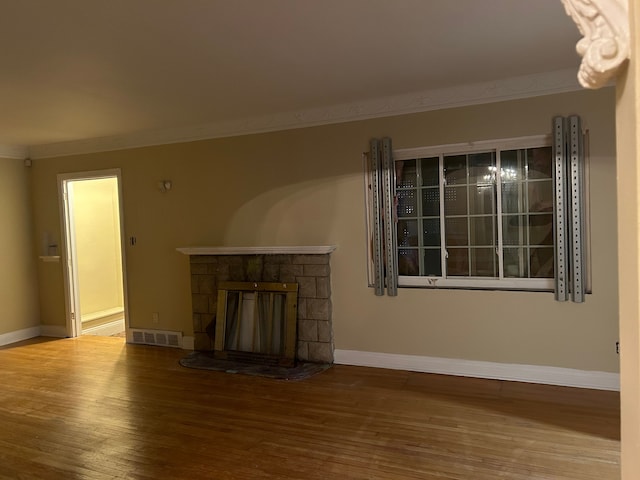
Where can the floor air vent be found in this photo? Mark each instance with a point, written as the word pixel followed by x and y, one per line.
pixel 157 337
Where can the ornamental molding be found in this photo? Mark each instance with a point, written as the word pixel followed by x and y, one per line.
pixel 605 45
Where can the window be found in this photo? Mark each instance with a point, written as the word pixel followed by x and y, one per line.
pixel 475 215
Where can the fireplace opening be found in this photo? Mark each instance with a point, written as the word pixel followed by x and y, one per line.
pixel 256 322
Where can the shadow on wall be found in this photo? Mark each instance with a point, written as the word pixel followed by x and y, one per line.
pixel 302 213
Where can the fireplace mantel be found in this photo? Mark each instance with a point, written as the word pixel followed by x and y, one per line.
pixel 291 250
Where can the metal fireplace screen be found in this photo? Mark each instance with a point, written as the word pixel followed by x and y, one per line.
pixel 256 321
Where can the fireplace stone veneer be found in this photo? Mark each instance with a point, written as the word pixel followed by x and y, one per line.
pixel 309 267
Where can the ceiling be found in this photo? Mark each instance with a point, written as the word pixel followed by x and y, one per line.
pixel 76 70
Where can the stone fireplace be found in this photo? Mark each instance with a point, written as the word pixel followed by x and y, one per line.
pixel 309 267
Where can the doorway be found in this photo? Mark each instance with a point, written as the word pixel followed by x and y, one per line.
pixel 93 251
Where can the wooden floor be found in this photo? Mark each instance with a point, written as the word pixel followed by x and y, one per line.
pixel 95 408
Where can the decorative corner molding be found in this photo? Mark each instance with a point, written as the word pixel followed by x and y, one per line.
pixel 605 45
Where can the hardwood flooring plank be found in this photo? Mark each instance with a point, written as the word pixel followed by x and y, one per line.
pixel 96 408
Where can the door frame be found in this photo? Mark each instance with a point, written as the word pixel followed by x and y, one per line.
pixel 72 300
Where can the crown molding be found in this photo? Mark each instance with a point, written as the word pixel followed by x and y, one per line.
pixel 14 151
pixel 560 81
pixel 605 44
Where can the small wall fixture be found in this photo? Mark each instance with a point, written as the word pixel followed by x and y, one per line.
pixel 164 185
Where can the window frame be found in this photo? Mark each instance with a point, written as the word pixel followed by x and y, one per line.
pixel 491 283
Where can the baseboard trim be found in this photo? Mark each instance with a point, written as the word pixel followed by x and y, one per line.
pixel 56 331
pixel 567 377
pixel 106 329
pixel 117 312
pixel 19 335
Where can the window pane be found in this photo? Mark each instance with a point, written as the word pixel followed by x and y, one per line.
pixel 470 205
pixel 483 262
pixel 408 262
pixel 512 166
pixel 514 230
pixel 512 198
pixel 406 174
pixel 430 171
pixel 431 232
pixel 539 162
pixel 482 168
pixel 541 229
pixel 456 231
pixel 407 233
pixel 532 197
pixel 542 262
pixel 455 169
pixel 516 264
pixel 540 196
pixel 455 200
pixel 458 262
pixel 432 262
pixel 481 200
pixel 431 202
pixel 407 203
pixel 481 231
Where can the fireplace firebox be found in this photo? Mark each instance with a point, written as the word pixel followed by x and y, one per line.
pixel 256 322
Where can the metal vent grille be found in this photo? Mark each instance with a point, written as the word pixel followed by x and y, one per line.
pixel 157 337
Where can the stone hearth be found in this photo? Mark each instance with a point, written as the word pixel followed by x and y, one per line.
pixel 307 266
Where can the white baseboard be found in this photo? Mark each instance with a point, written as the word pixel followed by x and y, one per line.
pixel 188 343
pixel 566 377
pixel 107 329
pixel 56 331
pixel 19 335
pixel 109 312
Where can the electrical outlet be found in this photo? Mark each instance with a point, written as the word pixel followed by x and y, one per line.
pixel 155 317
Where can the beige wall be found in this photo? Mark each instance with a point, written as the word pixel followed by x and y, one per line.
pixel 306 187
pixel 18 286
pixel 97 242
pixel 628 144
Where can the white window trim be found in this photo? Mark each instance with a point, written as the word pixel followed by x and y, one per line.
pixel 479 283
pixel 533 141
